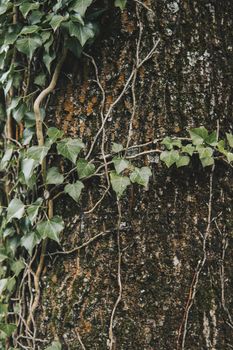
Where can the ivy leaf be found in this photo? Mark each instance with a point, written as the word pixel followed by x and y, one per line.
pixel 169 157
pixel 4 7
pixel 15 209
pixel 119 183
pixel 221 147
pixel 74 190
pixel 29 30
pixel 33 209
pixel 85 168
pixel 35 17
pixel 28 45
pixel 38 153
pixel 188 149
pixel 207 161
pixel 3 284
pixel 48 59
pixel 54 177
pixel 26 7
pixel 40 79
pixel 82 33
pixel 212 139
pixel 57 20
pixel 170 143
pixel 230 157
pixel 7 329
pixel 198 135
pixel 120 164
pixel 51 228
pixel 6 158
pixel 204 152
pixel 54 133
pixel 54 346
pixel 70 148
pixel 117 147
pixel 141 176
pixel 121 4
pixel 29 241
pixel 19 112
pixel 182 161
pixel 81 6
pixel 230 139
pixel 28 165
pixel 17 266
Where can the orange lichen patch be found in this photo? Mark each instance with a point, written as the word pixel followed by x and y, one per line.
pixel 89 109
pixel 81 127
pixel 83 93
pixel 127 25
pixel 141 73
pixel 177 129
pixel 121 81
pixel 109 101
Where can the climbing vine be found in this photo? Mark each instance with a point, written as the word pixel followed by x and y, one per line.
pixel 35 40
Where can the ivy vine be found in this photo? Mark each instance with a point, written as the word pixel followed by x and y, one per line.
pixel 35 38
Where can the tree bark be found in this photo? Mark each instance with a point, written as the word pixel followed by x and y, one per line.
pixel 169 300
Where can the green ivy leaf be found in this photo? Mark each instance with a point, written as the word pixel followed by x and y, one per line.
pixel 74 190
pixel 57 20
pixel 35 17
pixel 230 157
pixel 48 59
pixel 19 112
pixel 15 209
pixel 212 139
pixel 120 164
pixel 28 165
pixel 6 158
pixel 82 33
pixel 80 6
pixel 3 284
pixel 7 328
pixel 51 228
pixel 117 147
pixel 207 161
pixel 29 30
pixel 40 79
pixel 29 241
pixel 198 135
pixel 141 176
pixel 26 7
pixel 121 4
pixel 54 134
pixel 38 153
pixel 188 149
pixel 85 168
pixel 17 266
pixel 32 210
pixel 170 143
pixel 221 147
pixel 204 152
pixel 169 157
pixel 54 346
pixel 119 183
pixel 182 161
pixel 28 45
pixel 54 177
pixel 70 148
pixel 230 139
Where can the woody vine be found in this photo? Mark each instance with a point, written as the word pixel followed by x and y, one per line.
pixel 37 37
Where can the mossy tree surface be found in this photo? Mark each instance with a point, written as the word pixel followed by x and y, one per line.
pixel 187 83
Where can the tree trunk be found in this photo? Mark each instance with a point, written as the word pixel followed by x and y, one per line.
pixel 171 251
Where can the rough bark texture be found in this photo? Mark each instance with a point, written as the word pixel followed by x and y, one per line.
pixel 187 83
